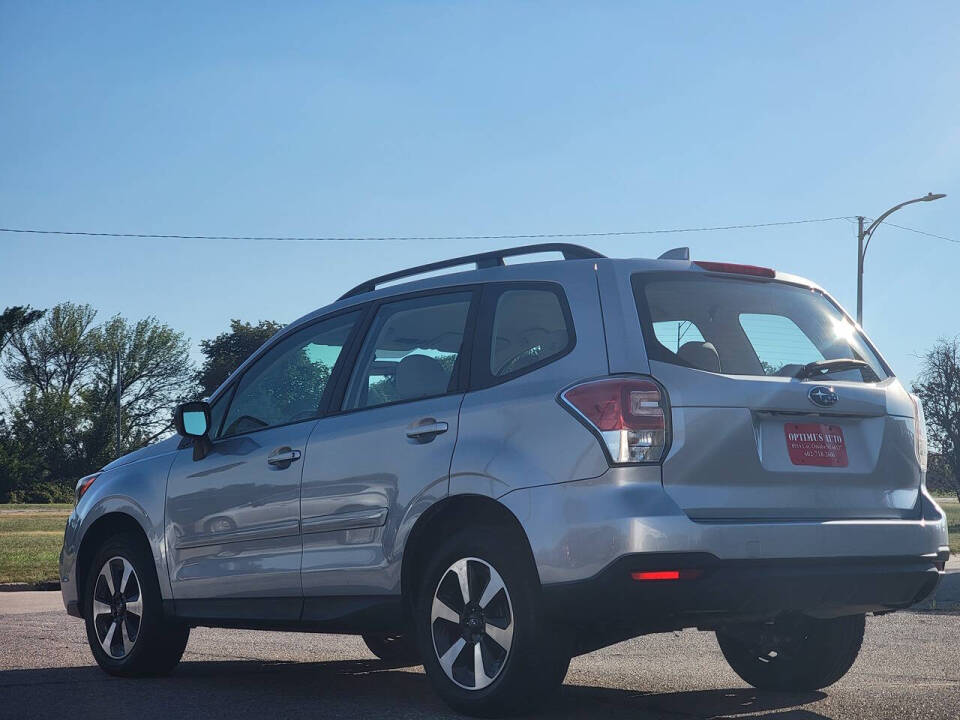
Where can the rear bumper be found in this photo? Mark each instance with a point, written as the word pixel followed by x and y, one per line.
pixel 712 592
pixel 577 529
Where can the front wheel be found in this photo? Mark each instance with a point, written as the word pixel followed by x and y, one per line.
pixel 126 629
pixel 793 653
pixel 486 644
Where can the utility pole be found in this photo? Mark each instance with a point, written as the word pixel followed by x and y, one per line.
pixel 863 242
pixel 119 392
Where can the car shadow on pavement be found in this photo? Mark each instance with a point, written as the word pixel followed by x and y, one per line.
pixel 339 689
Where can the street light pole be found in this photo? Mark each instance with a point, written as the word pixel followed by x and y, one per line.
pixel 860 270
pixel 863 242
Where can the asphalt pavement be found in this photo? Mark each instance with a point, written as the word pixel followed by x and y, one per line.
pixel 909 668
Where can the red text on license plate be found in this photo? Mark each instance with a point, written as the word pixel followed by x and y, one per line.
pixel 815 444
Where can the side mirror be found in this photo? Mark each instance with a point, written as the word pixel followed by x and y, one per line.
pixel 192 420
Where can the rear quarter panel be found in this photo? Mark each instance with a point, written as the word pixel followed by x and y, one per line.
pixel 516 434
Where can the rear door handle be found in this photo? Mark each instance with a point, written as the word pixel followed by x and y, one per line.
pixel 283 457
pixel 426 430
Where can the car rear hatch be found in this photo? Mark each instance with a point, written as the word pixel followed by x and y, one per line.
pixel 755 436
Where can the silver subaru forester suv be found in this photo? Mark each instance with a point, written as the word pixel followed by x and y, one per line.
pixel 493 470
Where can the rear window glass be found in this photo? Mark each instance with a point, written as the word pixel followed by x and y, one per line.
pixel 744 327
pixel 778 341
pixel 674 333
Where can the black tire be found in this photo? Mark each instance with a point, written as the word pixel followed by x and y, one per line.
pixel 797 654
pixel 538 656
pixel 157 642
pixel 399 650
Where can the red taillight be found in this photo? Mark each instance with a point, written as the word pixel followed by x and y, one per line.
pixel 736 268
pixel 666 575
pixel 629 414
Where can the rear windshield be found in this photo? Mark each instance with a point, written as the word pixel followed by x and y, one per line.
pixel 747 327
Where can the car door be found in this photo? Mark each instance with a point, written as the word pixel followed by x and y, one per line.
pixel 371 467
pixel 233 517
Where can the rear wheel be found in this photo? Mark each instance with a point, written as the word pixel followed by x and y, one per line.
pixel 395 649
pixel 486 645
pixel 793 653
pixel 126 629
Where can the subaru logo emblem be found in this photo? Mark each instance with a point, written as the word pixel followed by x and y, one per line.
pixel 823 396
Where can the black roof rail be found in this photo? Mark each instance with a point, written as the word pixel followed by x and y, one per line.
pixel 493 258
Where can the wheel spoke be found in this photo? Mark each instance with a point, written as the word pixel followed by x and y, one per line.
pixel 107 574
pixel 439 610
pixel 501 636
pixel 107 641
pixel 480 678
pixel 494 585
pixel 127 571
pixel 460 568
pixel 448 658
pixel 135 607
pixel 100 609
pixel 127 643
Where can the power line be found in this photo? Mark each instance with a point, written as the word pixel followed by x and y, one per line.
pixel 904 227
pixel 518 236
pixel 922 232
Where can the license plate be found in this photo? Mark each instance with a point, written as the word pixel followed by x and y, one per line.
pixel 816 444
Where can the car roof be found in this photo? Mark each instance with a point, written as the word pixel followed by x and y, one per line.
pixel 567 270
pixel 557 270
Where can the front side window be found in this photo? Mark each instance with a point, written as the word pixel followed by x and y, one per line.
pixel 217 410
pixel 744 327
pixel 411 351
pixel 529 327
pixel 287 383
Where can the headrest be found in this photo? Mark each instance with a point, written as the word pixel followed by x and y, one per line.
pixel 701 355
pixel 420 376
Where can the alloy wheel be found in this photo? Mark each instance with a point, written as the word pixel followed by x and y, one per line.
pixel 117 607
pixel 471 621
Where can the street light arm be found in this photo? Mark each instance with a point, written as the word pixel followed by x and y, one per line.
pixel 868 233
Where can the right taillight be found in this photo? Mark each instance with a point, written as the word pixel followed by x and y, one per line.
pixel 919 432
pixel 630 416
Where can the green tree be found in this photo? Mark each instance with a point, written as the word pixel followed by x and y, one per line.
pixel 938 388
pixel 224 353
pixel 61 419
pixel 15 319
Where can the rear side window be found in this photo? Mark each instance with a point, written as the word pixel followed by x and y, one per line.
pixel 411 351
pixel 529 327
pixel 745 327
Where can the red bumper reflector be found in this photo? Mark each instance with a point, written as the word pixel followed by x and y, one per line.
pixel 666 575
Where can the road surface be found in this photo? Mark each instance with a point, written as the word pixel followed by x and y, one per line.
pixel 909 668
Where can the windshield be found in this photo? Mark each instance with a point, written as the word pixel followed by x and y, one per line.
pixel 747 327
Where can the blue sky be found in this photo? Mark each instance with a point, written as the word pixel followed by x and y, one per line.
pixel 471 118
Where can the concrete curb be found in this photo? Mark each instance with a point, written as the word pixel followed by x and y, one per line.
pixel 28 587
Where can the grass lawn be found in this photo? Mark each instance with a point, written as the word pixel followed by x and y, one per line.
pixel 952 508
pixel 30 540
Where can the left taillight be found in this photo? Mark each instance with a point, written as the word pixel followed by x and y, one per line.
pixel 629 414
pixel 82 486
